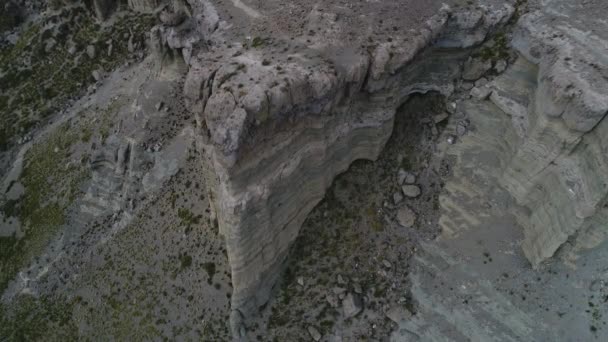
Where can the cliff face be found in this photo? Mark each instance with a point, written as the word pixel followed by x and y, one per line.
pixel 558 169
pixel 278 100
pixel 277 132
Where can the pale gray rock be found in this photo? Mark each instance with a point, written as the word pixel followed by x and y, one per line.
pixel 481 82
pixel 461 129
pixel 500 66
pixel 398 314
pixel 440 118
pixel 481 93
pixel 411 191
pixel 406 217
pixel 451 107
pixel 314 333
pixel 91 51
pixel 397 198
pixel 405 177
pixel 338 290
pixel 451 139
pixel 467 86
pixel 352 305
pixel 96 75
pixel 475 68
pixel 401 176
pixel 131 44
pixel 332 300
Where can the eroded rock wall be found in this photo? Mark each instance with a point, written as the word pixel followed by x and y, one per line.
pixel 558 171
pixel 277 132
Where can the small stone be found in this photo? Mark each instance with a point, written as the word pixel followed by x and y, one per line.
pixel 481 82
pixel 72 50
pixel 475 68
pixel 91 51
pixel 406 217
pixel 341 280
pixel 314 333
pixel 440 117
pixel 96 75
pixel 338 290
pixel 405 177
pixel 500 66
pixel 157 147
pixel 56 149
pixel 397 198
pixel 386 263
pixel 357 288
pixel 461 129
pixel 411 191
pixel 434 131
pixel 352 305
pixel 300 281
pixel 467 85
pixel 332 300
pixel 159 105
pixel 451 107
pixel 49 45
pixel 401 174
pixel 131 45
pixel 480 93
pixel 398 314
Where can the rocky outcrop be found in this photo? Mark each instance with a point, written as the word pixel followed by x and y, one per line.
pixel 558 169
pixel 277 131
pixel 551 153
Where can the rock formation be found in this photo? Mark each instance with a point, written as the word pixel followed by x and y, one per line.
pixel 277 132
pixel 285 98
pixel 557 171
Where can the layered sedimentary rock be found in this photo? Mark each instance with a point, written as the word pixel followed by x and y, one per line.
pixel 558 171
pixel 277 130
pixel 552 154
pixel 278 127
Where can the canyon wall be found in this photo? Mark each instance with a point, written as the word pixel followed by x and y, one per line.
pixel 558 171
pixel 278 127
pixel 277 133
